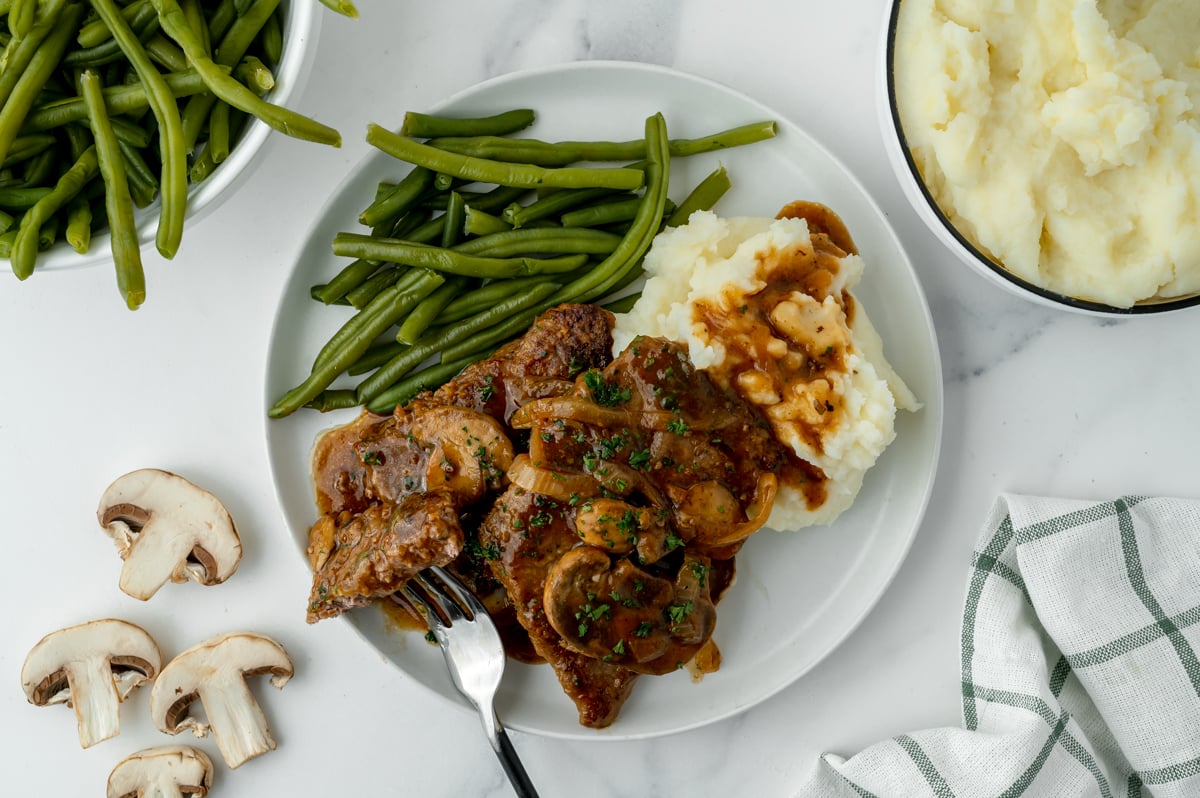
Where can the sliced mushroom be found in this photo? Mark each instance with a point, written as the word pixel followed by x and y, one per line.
pixel 166 771
pixel 215 671
pixel 167 528
pixel 470 453
pixel 620 613
pixel 92 668
pixel 619 528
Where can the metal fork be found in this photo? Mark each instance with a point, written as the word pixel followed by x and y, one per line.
pixel 474 654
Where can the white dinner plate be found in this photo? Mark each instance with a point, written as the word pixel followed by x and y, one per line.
pixel 798 594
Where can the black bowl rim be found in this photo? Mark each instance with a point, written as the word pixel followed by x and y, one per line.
pixel 1141 308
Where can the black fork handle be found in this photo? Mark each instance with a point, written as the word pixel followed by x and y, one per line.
pixel 512 766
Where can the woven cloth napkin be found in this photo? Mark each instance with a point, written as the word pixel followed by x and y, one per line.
pixel 1080 662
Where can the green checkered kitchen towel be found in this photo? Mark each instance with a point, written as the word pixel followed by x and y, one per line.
pixel 1080 674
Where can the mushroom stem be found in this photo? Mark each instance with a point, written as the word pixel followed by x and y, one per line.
pixel 236 721
pixel 95 699
pixel 143 574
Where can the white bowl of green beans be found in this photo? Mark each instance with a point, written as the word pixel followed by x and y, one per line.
pixel 119 122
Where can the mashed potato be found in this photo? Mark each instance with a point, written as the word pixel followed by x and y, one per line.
pixel 765 309
pixel 1062 137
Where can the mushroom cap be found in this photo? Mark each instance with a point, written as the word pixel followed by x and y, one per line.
pixel 215 672
pixel 167 528
pixel 91 667
pixel 165 770
pixel 125 645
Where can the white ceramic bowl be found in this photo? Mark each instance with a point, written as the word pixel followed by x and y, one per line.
pixel 301 25
pixel 927 208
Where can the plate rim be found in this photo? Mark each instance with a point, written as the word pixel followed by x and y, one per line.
pixel 932 403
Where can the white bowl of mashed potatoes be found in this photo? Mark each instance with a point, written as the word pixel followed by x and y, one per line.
pixel 1053 145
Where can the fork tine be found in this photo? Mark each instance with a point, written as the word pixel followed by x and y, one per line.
pixel 460 592
pixel 424 607
pixel 441 596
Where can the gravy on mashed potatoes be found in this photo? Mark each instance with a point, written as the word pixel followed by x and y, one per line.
pixel 764 307
pixel 1062 137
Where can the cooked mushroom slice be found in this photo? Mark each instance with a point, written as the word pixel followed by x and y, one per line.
pixel 470 453
pixel 167 528
pixel 215 672
pixel 618 528
pixel 623 614
pixel 91 667
pixel 166 771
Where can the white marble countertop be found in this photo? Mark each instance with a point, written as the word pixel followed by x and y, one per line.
pixel 1036 401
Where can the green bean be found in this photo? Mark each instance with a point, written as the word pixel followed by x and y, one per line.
pixel 37 170
pixel 44 61
pixel 7 220
pixel 602 213
pixel 79 224
pixel 362 294
pixel 20 17
pixel 503 174
pixel 482 298
pixel 195 18
pixel 423 380
pixel 202 165
pixel 166 53
pixel 400 285
pixel 96 32
pixel 455 213
pixel 375 357
pixel 555 204
pixel 218 132
pixel 175 25
pixel 399 199
pixel 644 227
pixel 172 152
pixel 333 399
pixel 272 38
pixel 127 256
pixel 394 250
pixel 406 361
pixel 142 180
pixel 350 350
pixel 252 72
pixel 47 235
pixel 427 126
pixel 541 241
pixel 25 248
pixel 423 315
pixel 130 133
pixel 220 20
pixel 21 198
pixel 119 100
pixel 6 243
pixel 497 198
pixel 544 153
pixel 477 223
pixel 144 25
pixel 343 7
pixel 25 147
pixel 702 198
pixel 351 275
pixel 490 337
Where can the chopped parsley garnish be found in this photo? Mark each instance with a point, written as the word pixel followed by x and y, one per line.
pixel 640 458
pixel 605 393
pixel 673 541
pixel 487 390
pixel 372 458
pixel 677 612
pixel 619 648
pixel 644 629
pixel 677 426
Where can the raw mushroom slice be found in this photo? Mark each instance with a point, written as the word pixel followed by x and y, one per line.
pixel 167 528
pixel 166 771
pixel 92 668
pixel 215 672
